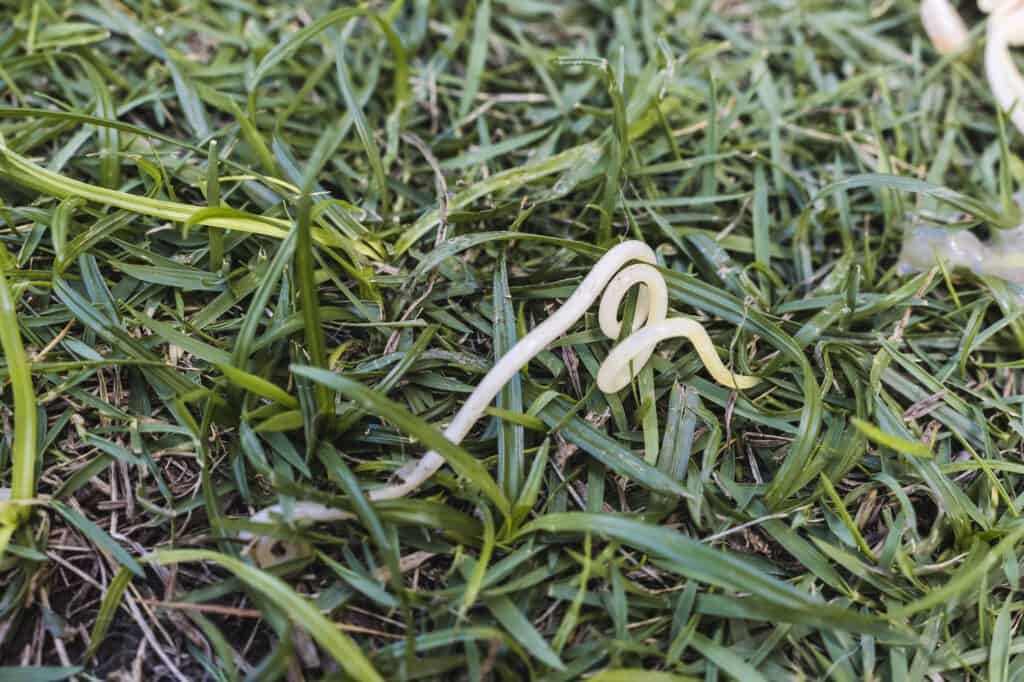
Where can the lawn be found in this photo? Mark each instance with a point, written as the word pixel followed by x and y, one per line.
pixel 254 258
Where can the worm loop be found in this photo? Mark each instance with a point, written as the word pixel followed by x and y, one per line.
pixel 614 275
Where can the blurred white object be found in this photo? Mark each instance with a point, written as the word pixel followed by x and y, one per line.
pixel 1005 30
pixel 944 26
pixel 948 33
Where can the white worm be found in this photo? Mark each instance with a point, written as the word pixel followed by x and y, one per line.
pixel 926 246
pixel 1006 29
pixel 923 247
pixel 990 6
pixel 615 372
pixel 649 327
pixel 263 549
pixel 944 26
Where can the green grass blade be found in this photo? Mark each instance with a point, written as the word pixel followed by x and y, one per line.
pixel 259 386
pixel 93 532
pixel 309 299
pixel 699 562
pixel 341 648
pixel 23 449
pixel 511 438
pixel 108 608
pixel 477 56
pixel 38 673
pixel 460 460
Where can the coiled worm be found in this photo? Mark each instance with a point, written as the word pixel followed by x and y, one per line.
pixel 624 266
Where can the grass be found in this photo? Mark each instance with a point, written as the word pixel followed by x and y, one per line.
pixel 259 255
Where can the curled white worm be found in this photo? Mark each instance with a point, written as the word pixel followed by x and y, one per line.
pixel 651 308
pixel 944 26
pixel 649 327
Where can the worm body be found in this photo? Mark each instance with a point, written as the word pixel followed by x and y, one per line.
pixel 627 265
pixel 944 26
pixel 262 550
pixel 1006 30
pixel 947 32
pixel 649 327
pixel 926 246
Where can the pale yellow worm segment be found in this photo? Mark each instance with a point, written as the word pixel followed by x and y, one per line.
pixel 624 266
